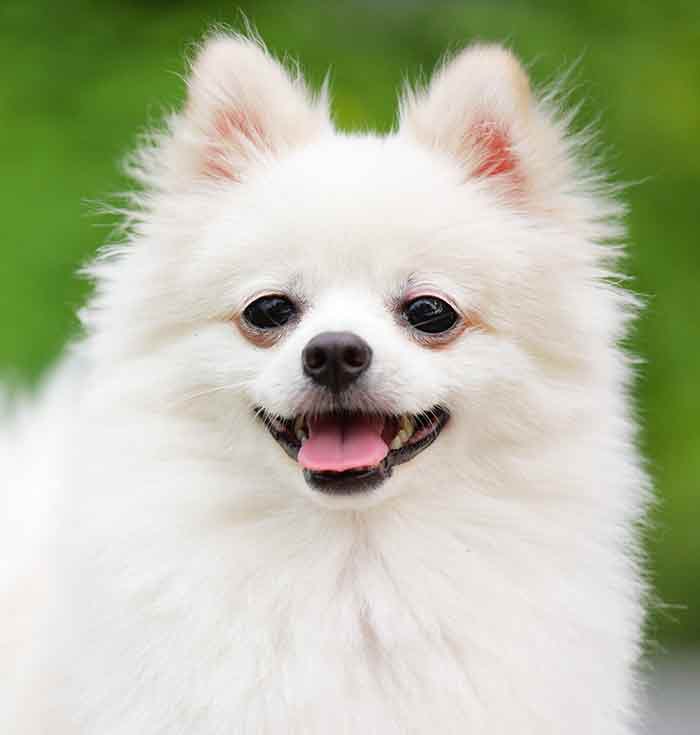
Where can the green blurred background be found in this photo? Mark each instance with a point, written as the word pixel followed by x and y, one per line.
pixel 79 80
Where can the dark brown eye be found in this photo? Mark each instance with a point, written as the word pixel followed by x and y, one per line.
pixel 269 312
pixel 430 314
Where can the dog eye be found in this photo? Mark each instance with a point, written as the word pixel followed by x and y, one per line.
pixel 430 314
pixel 269 312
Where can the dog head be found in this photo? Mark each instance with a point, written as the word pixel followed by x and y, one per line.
pixel 362 316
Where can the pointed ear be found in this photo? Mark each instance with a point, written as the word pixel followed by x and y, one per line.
pixel 244 106
pixel 479 108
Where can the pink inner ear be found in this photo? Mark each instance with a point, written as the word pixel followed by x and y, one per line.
pixel 235 132
pixel 496 154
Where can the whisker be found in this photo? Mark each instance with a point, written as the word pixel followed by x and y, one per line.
pixel 428 321
pixel 193 396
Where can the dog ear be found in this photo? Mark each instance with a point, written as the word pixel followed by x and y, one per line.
pixel 479 108
pixel 244 106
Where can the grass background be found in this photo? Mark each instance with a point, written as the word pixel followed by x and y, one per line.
pixel 80 79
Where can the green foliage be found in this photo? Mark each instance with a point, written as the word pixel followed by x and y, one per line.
pixel 79 79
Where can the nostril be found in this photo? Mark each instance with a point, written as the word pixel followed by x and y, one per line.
pixel 354 357
pixel 314 358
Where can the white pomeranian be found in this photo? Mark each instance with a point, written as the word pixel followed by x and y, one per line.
pixel 347 447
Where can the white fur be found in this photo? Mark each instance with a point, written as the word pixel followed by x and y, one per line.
pixel 166 569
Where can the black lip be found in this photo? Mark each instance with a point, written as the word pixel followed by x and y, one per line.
pixel 349 482
pixel 362 480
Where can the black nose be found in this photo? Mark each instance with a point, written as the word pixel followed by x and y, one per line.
pixel 335 359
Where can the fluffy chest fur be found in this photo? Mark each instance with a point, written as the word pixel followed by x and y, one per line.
pixel 178 608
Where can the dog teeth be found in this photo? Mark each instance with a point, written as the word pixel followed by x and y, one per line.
pixel 300 428
pixel 406 430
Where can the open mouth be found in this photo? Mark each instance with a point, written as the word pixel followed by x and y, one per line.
pixel 347 452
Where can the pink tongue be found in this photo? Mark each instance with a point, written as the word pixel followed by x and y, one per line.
pixel 335 446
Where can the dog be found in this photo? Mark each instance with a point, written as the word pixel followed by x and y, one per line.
pixel 347 445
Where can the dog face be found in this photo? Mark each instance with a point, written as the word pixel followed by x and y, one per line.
pixel 364 316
